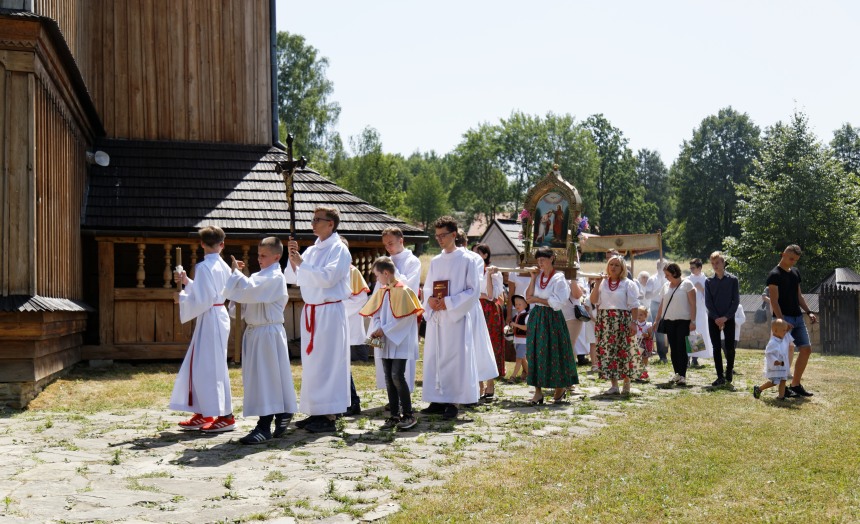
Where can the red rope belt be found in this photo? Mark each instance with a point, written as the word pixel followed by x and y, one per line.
pixel 311 321
pixel 191 372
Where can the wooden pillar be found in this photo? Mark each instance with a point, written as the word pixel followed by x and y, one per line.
pixel 106 287
pixel 193 250
pixel 246 257
pixel 168 272
pixel 141 271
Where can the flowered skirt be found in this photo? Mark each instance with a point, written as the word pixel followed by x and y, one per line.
pixel 496 327
pixel 617 352
pixel 548 350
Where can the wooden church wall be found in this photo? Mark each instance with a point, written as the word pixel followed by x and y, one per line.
pixel 195 70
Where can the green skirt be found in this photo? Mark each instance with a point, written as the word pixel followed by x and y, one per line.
pixel 548 350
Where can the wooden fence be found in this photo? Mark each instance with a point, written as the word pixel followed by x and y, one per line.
pixel 840 320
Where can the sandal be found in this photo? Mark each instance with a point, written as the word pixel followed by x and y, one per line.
pixel 535 402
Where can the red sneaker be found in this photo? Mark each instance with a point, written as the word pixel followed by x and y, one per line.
pixel 196 422
pixel 220 424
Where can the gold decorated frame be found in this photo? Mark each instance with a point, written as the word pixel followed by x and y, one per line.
pixel 565 257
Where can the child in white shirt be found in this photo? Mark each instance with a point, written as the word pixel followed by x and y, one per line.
pixel 519 325
pixel 644 340
pixel 776 358
pixel 393 310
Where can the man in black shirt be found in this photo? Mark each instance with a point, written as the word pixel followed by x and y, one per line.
pixel 787 302
pixel 721 300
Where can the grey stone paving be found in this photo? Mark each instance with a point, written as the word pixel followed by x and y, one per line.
pixel 138 467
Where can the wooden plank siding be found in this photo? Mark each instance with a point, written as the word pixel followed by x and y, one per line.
pixel 188 70
pixel 60 167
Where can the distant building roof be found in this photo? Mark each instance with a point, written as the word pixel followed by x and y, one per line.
pixel 174 188
pixel 479 226
pixel 752 302
pixel 841 276
pixel 511 231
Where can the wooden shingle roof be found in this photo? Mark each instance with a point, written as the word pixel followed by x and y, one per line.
pixel 178 187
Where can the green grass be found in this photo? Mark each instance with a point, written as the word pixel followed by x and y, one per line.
pixel 699 456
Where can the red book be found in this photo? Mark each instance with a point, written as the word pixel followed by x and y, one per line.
pixel 440 288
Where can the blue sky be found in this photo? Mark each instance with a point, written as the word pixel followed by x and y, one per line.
pixel 423 73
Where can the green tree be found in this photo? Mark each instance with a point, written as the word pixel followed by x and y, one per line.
pixel 427 199
pixel 846 147
pixel 531 145
pixel 482 179
pixel 304 105
pixel 796 195
pixel 375 176
pixel 621 201
pixel 719 156
pixel 652 174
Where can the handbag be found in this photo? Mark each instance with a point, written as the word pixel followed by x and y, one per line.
pixel 581 313
pixel 661 326
pixel 761 314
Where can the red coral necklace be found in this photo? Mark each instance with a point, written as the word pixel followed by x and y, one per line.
pixel 611 286
pixel 544 283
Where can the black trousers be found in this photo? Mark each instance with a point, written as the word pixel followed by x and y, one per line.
pixel 676 334
pixel 398 390
pixel 729 331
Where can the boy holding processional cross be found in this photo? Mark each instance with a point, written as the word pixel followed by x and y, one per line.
pixel 203 383
pixel 266 374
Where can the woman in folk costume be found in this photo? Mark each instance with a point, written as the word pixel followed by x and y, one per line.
pixel 616 299
pixel 698 280
pixel 451 292
pixel 492 291
pixel 485 359
pixel 322 272
pixel 394 309
pixel 548 348
pixel 266 374
pixel 203 383
pixel 357 333
pixel 409 272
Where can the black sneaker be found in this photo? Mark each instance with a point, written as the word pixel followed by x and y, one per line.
pixel 730 373
pixel 353 410
pixel 433 409
pixel 256 436
pixel 719 382
pixel 282 422
pixel 301 424
pixel 789 393
pixel 756 392
pixel 799 391
pixel 321 425
pixel 450 412
pixel 390 423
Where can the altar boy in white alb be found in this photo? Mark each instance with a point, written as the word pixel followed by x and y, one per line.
pixel 266 374
pixel 322 273
pixel 451 290
pixel 203 383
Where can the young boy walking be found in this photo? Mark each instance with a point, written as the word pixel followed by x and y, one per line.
pixel 266 374
pixel 203 383
pixel 393 309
